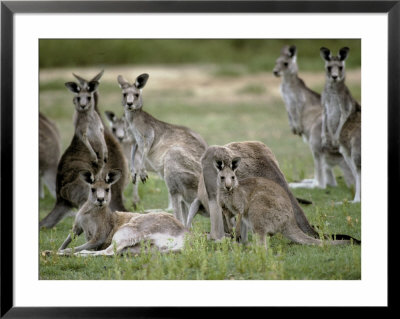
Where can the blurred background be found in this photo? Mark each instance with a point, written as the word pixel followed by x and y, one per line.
pixel 222 88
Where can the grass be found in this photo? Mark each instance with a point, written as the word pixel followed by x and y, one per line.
pixel 254 114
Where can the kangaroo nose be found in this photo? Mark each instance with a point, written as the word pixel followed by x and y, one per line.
pixel 334 77
pixel 100 200
pixel 276 73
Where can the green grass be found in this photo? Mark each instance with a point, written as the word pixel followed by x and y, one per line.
pixel 248 116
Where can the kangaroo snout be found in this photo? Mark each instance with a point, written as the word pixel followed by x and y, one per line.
pixel 276 73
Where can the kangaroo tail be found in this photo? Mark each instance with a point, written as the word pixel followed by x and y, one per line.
pixel 295 234
pixel 339 237
pixel 194 208
pixel 59 211
pixel 303 201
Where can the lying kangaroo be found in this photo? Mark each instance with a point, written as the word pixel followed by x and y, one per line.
pixel 109 232
pixel 264 206
pixel 257 161
pixel 49 154
pixel 172 151
pixel 305 119
pixel 71 191
pixel 342 114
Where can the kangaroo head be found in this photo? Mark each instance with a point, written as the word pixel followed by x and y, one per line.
pixel 100 186
pixel 132 94
pixel 117 125
pixel 286 63
pixel 227 179
pixel 84 91
pixel 335 65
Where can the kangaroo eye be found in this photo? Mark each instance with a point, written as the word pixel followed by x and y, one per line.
pixel 222 178
pixel 136 95
pixel 93 190
pixel 233 177
pixel 89 98
pixel 124 94
pixel 329 68
pixel 113 129
pixel 107 190
pixel 285 64
pixel 340 68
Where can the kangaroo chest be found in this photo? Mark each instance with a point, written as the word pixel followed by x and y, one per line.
pixel 143 132
pixel 292 96
pixel 332 104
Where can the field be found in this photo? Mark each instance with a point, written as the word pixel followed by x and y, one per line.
pixel 223 104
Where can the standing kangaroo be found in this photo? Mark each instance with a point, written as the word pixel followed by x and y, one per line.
pixel 257 160
pixel 87 122
pixel 71 191
pixel 342 114
pixel 118 129
pixel 49 154
pixel 305 119
pixel 263 205
pixel 172 151
pixel 103 229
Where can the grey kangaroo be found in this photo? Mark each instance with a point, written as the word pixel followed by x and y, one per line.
pixel 110 232
pixel 118 129
pixel 49 154
pixel 71 191
pixel 257 160
pixel 172 151
pixel 263 205
pixel 305 119
pixel 342 114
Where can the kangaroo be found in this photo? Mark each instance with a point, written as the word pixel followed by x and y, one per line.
pixel 342 114
pixel 109 232
pixel 87 122
pixel 49 154
pixel 257 160
pixel 172 151
pixel 264 206
pixel 305 119
pixel 71 191
pixel 118 128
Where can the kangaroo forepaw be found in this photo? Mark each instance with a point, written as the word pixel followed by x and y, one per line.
pixel 134 178
pixel 143 176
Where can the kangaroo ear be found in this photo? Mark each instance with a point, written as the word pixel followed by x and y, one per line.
pixel 292 51
pixel 325 54
pixel 235 163
pixel 219 165
pixel 97 77
pixel 122 82
pixel 81 80
pixel 141 80
pixel 86 176
pixel 110 116
pixel 343 53
pixel 113 176
pixel 92 86
pixel 73 87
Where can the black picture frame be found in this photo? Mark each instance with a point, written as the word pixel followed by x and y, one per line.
pixel 9 8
